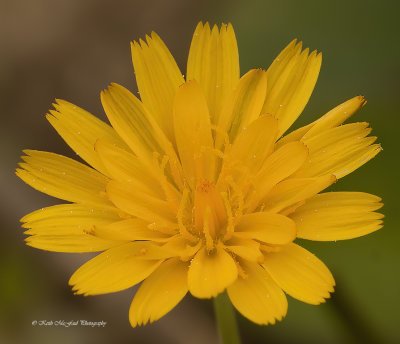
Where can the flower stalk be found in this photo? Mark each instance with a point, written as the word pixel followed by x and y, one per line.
pixel 226 320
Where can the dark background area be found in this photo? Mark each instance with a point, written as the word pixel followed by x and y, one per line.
pixel 72 49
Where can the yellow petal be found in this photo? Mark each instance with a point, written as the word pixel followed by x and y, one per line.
pixel 210 273
pixel 255 142
pixel 350 133
pixel 116 269
pixel 182 248
pixel 193 133
pixel 274 229
pixel 133 123
pixel 67 215
pixel 278 166
pixel 214 62
pixel 130 229
pixel 293 190
pixel 64 178
pixel 158 78
pixel 154 210
pixel 291 80
pixel 281 61
pixel 300 274
pixel 339 151
pixel 245 248
pixel 318 219
pixel 243 105
pixel 68 228
pixel 337 115
pixel 126 167
pixel 159 293
pixel 80 130
pixel 257 297
pixel 74 243
pixel 331 119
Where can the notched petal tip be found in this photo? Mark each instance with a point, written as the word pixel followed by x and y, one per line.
pixel 306 52
pixel 135 46
pixel 199 25
pixel 362 100
pixel 106 92
pixel 27 152
pixel 256 71
pixel 61 102
pixel 51 116
pixel 259 70
pixel 115 85
pixel 229 29
pixel 23 219
pixel 143 44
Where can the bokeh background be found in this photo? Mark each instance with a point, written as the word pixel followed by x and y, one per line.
pixel 72 49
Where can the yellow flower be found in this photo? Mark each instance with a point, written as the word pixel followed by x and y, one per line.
pixel 193 188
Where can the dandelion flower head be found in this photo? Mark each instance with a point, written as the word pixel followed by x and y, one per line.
pixel 197 187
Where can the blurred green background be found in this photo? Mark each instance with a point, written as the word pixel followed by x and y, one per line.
pixel 72 49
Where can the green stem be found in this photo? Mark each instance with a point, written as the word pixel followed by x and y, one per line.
pixel 226 320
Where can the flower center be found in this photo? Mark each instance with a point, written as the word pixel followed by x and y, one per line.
pixel 209 211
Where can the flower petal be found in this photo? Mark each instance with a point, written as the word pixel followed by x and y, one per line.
pixel 291 80
pixel 80 130
pixel 318 219
pixel 64 178
pixel 129 229
pixel 182 248
pixel 300 274
pixel 278 166
pixel 255 143
pixel 133 123
pixel 214 62
pixel 331 119
pixel 158 78
pixel 193 133
pixel 293 190
pixel 74 243
pixel 54 218
pixel 116 269
pixel 154 210
pixel 68 228
pixel 274 229
pixel 339 151
pixel 243 105
pixel 126 167
pixel 245 248
pixel 210 273
pixel 159 293
pixel 257 297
